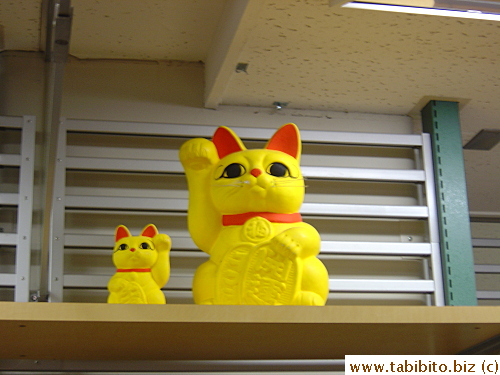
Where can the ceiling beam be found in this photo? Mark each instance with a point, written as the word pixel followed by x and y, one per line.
pixel 235 25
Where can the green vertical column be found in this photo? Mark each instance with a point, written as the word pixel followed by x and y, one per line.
pixel 441 120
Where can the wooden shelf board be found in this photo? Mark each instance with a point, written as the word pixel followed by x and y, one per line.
pixel 75 331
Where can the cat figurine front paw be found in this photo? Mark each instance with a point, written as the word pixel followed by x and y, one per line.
pixel 142 266
pixel 243 212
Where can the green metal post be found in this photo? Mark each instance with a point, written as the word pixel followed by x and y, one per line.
pixel 441 120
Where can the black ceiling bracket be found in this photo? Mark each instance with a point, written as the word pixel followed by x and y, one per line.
pixel 59 14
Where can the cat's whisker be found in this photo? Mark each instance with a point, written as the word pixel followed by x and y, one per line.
pixel 235 184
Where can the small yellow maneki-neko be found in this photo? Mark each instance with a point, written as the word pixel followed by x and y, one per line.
pixel 142 266
pixel 244 212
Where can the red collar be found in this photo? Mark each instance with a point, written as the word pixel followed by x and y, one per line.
pixel 240 219
pixel 133 270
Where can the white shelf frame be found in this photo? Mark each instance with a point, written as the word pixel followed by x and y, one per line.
pixel 23 200
pixel 423 176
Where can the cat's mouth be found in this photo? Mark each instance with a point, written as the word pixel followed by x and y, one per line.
pixel 259 191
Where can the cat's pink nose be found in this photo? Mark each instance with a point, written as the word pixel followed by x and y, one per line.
pixel 255 172
pixel 132 249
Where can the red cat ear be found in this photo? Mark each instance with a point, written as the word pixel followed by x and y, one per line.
pixel 226 142
pixel 149 231
pixel 121 231
pixel 287 140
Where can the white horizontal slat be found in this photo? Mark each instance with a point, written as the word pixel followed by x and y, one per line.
pixel 114 152
pixel 101 281
pixel 487 294
pixel 100 191
pixel 9 199
pixel 130 203
pixel 184 282
pixel 399 175
pixel 244 133
pixel 100 295
pixel 124 127
pixel 107 252
pixel 11 122
pixel 487 268
pixel 99 241
pixel 169 204
pixel 354 138
pixel 327 247
pixel 8 238
pixel 86 281
pixel 363 210
pixel 167 166
pixel 381 286
pixel 10 159
pixel 376 248
pixel 351 138
pixel 118 164
pixel 486 242
pixel 7 279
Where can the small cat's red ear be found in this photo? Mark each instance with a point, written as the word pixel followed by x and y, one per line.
pixel 287 140
pixel 149 231
pixel 226 142
pixel 121 231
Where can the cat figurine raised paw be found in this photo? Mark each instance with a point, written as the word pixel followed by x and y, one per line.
pixel 244 212
pixel 142 266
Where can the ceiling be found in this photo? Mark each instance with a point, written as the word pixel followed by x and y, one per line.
pixel 305 53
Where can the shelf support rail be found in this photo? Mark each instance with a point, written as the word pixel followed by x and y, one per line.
pixel 25 210
pixel 441 120
pixel 55 261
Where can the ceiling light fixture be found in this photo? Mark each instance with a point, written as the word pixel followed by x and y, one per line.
pixel 486 139
pixel 483 10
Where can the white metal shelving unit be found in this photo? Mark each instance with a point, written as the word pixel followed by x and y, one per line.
pixel 111 173
pixel 17 151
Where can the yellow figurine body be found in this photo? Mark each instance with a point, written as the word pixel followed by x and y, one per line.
pixel 243 212
pixel 142 266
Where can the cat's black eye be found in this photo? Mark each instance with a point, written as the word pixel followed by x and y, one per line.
pixel 123 247
pixel 233 170
pixel 278 170
pixel 144 245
